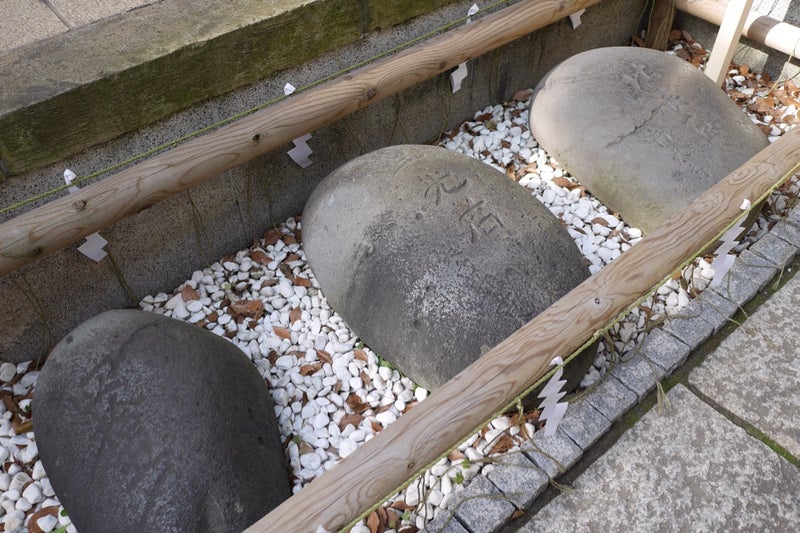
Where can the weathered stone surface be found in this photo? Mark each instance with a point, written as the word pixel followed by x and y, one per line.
pixel 686 469
pixel 644 131
pixel 755 371
pixel 145 423
pixel 432 256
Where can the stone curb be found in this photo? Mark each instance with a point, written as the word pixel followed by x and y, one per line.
pixel 522 477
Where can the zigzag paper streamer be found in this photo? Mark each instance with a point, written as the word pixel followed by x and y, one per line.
pixel 724 260
pixel 553 410
pixel 460 73
pixel 93 247
pixel 301 151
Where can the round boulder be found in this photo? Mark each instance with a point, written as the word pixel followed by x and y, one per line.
pixel 146 423
pixel 644 131
pixel 433 257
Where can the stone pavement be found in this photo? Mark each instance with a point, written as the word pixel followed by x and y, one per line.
pixel 24 22
pixel 721 451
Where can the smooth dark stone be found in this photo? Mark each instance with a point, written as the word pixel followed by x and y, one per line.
pixel 644 131
pixel 146 423
pixel 433 257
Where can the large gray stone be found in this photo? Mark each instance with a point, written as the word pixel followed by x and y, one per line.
pixel 644 131
pixel 432 257
pixel 145 423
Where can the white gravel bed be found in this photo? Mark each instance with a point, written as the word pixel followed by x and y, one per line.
pixel 332 393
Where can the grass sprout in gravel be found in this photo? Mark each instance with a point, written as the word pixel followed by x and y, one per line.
pixel 331 393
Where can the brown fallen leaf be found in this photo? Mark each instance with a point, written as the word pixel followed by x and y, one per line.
pixel 502 444
pixel 33 526
pixel 375 426
pixel 260 257
pixel 352 418
pixel 522 96
pixel 294 315
pixel 601 221
pixel 356 404
pixel 361 355
pixel 247 308
pixel 282 332
pixel 564 182
pixel 272 236
pixel 289 239
pixel 188 294
pixel 674 34
pixel 213 316
pixel 374 523
pixel 324 356
pixel 300 281
pixel 307 370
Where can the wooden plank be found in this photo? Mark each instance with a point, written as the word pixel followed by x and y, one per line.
pixel 661 17
pixel 463 404
pixel 781 36
pixel 68 219
pixel 727 39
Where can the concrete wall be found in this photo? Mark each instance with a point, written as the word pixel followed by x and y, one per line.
pixel 160 247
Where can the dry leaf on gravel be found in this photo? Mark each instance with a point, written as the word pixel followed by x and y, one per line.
pixel 247 308
pixel 294 315
pixel 356 404
pixel 260 257
pixel 324 356
pixel 564 182
pixel 188 294
pixel 283 333
pixel 272 236
pixel 354 419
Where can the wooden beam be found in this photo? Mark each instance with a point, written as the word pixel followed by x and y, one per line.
pixel 467 401
pixel 68 219
pixel 662 14
pixel 778 35
pixel 727 38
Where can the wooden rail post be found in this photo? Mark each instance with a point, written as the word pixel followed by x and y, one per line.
pixel 662 14
pixel 467 401
pixel 727 38
pixel 778 35
pixel 68 219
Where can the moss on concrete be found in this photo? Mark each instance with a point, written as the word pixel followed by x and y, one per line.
pixel 86 87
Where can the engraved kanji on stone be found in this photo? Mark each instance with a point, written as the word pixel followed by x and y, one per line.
pixel 443 183
pixel 481 223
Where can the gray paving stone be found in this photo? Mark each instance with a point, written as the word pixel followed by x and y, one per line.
pixel 445 522
pixel 481 507
pixel 23 22
pixel 612 398
pixel 793 217
pixel 789 229
pixel 755 371
pixel 687 469
pixel 664 350
pixel 518 477
pixel 83 12
pixel 584 424
pixel 554 454
pixel 774 249
pixel 738 286
pixel 638 374
pixel 690 326
pixel 715 309
pixel 759 269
